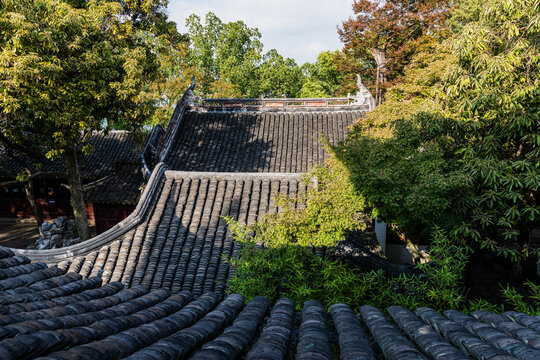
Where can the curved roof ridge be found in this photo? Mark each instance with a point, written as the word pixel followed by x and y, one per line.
pixel 179 174
pixel 144 206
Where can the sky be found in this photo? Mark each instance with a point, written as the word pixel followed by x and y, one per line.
pixel 299 29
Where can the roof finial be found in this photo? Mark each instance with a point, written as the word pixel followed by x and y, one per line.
pixel 363 96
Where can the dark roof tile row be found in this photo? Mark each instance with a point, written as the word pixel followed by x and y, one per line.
pixel 123 186
pixel 85 319
pixel 107 150
pixel 427 339
pixel 285 142
pixel 184 244
pixel 274 339
pixel 313 342
pixel 353 339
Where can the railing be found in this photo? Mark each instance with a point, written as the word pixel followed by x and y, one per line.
pixel 274 103
pixel 159 142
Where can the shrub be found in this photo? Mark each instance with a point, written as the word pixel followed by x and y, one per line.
pixel 277 257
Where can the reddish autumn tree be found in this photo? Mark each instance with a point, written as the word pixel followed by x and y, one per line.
pixel 387 32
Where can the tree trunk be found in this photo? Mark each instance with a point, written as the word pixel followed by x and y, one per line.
pixel 382 72
pixel 75 188
pixel 30 196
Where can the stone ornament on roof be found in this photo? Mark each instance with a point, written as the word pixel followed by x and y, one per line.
pixel 189 96
pixel 363 96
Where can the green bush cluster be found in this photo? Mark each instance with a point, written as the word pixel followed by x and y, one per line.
pixel 466 154
pixel 278 257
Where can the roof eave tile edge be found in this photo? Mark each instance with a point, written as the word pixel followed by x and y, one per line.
pixel 175 174
pixel 134 219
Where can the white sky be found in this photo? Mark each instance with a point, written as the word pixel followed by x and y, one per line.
pixel 299 29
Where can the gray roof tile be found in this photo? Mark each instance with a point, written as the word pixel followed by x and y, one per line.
pixel 256 142
pixel 184 242
pixel 66 317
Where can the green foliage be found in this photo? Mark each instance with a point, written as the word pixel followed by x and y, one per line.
pixel 405 180
pixel 65 68
pixel 203 42
pixel 466 11
pixel 224 52
pixel 312 89
pixel 319 217
pixel 385 34
pixel 287 266
pixel 490 114
pixel 276 258
pixel 469 159
pixel 294 272
pixel 175 77
pixel 279 76
pixel 323 78
pixel 438 287
pixel 520 303
pixel 229 59
pixel 482 304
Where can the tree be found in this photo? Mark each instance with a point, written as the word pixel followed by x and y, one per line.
pixel 149 18
pixel 491 111
pixel 405 181
pixel 278 76
pixel 175 75
pixel 469 160
pixel 203 40
pixel 323 76
pixel 349 66
pixel 225 53
pixel 239 53
pixel 464 12
pixel 65 69
pixel 385 30
pixel 312 88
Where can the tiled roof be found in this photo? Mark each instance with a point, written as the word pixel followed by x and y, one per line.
pixel 48 312
pixel 123 186
pixel 107 150
pixel 257 141
pixel 154 286
pixel 184 242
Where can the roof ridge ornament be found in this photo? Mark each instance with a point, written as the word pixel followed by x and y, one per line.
pixel 363 96
pixel 189 96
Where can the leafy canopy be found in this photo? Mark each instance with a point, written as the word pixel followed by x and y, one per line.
pixel 69 68
pixel 491 110
pixel 385 33
pixel 278 258
pixel 468 160
pixel 64 70
pixel 323 78
pixel 224 52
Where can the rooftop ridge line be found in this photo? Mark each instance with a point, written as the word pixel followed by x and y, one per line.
pixel 178 174
pixel 261 110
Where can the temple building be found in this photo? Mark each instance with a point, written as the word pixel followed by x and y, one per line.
pixel 154 286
